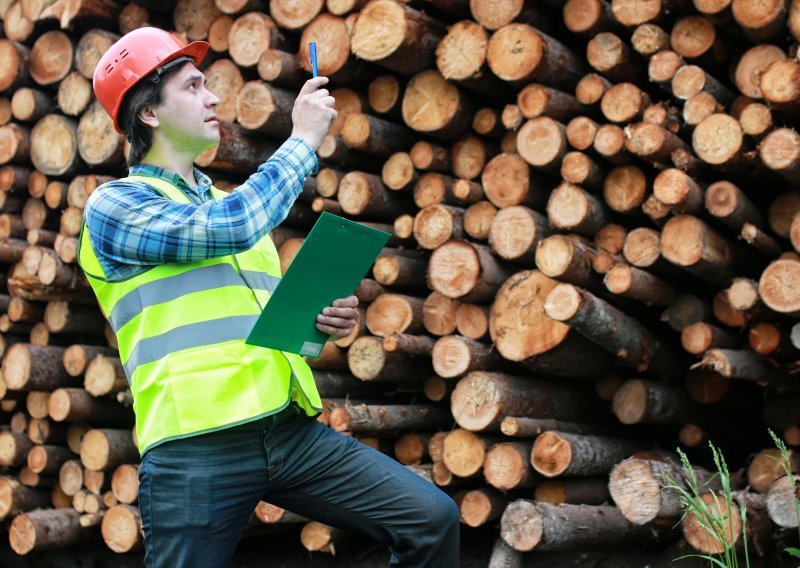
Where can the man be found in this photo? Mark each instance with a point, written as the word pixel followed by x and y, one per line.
pixel 182 271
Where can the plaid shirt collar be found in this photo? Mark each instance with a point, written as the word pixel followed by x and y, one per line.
pixel 203 181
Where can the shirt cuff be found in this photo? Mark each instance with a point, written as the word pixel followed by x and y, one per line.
pixel 298 155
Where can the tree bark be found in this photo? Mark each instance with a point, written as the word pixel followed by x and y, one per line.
pixel 106 449
pixel 396 36
pixel 369 361
pixel 48 528
pixel 519 54
pixel 527 525
pixel 482 400
pixel 387 420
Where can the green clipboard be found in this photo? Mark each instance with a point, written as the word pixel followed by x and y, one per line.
pixel 331 263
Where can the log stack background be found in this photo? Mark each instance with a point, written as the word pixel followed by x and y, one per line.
pixel 595 257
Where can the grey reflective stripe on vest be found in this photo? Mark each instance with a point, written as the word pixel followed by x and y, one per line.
pixel 187 336
pixel 261 280
pixel 173 287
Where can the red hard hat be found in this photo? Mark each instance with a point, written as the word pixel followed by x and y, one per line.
pixel 133 57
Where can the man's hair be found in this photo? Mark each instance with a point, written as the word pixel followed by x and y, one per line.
pixel 144 94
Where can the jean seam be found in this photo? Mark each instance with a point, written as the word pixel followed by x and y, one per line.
pixel 150 513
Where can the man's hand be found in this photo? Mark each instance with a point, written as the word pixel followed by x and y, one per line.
pixel 340 318
pixel 313 112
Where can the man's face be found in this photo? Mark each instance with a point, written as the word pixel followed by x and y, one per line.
pixel 187 112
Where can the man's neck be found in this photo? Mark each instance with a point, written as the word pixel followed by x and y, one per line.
pixel 173 161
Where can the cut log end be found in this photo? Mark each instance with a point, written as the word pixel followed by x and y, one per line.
pixel 551 454
pixel 630 402
pixel 563 302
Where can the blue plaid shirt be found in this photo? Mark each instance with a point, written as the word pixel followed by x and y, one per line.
pixel 132 227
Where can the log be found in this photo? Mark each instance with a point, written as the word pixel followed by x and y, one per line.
pixel 361 193
pixel 542 142
pixel 394 313
pixel 224 79
pixel 527 525
pixel 478 219
pixel 51 58
pixel 624 102
pixel 567 258
pixel 731 206
pixel 432 188
pixel 454 356
pixel 743 364
pixel 396 36
pixel 122 529
pixel 461 57
pixel 369 361
pixel 519 53
pixel 37 404
pixel 472 321
pixel 466 271
pixel 701 336
pixel 581 132
pixel 648 402
pixel 48 459
pixel 508 180
pixel 106 449
pixel 15 71
pixel 610 143
pixel 516 232
pixel 439 314
pixel 522 427
pixel 766 338
pixel 125 483
pixel 781 212
pixel 427 156
pixel 649 39
pixel 77 405
pixel 48 528
pixel 507 466
pixel 464 452
pixel 16 498
pixel 570 208
pixel 779 151
pixel 481 506
pixel 778 286
pixel 663 66
pixel 691 244
pixel 332 35
pixel 760 241
pixel 77 357
pixel 33 367
pixel 62 317
pixel 761 21
pixel 42 431
pixel 279 67
pixel 653 143
pixel 398 172
pixel 74 93
pixel 14 448
pixel 610 56
pixel 559 453
pixel 387 420
pixel 482 400
pixel 263 108
pixel 401 272
pixel 385 95
pixel 781 502
pixel 642 488
pixel 411 448
pixel 374 135
pixel 580 169
pixel 494 17
pixel 16 143
pixel 29 105
pixel 619 334
pixel 678 191
pixel 535 340
pixel 587 491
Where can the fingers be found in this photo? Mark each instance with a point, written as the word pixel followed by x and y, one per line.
pixel 348 302
pixel 335 331
pixel 311 85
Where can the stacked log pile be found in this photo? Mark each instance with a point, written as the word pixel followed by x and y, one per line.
pixel 595 255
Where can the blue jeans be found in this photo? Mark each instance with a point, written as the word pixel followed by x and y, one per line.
pixel 197 494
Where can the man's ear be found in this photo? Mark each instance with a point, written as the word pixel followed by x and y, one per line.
pixel 149 116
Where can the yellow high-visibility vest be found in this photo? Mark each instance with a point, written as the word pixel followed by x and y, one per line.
pixel 181 329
